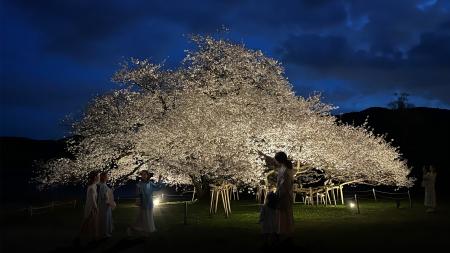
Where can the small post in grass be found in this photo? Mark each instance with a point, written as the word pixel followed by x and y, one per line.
pixel 357 203
pixel 409 197
pixel 193 195
pixel 185 212
pixel 30 210
pixel 374 195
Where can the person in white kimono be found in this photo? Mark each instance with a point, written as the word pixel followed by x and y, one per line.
pixel 429 181
pixel 105 206
pixel 89 227
pixel 144 222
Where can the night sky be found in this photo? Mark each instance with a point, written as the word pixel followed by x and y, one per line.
pixel 57 55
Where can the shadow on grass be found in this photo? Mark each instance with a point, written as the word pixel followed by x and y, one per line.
pixel 283 247
pixel 76 247
pixel 124 244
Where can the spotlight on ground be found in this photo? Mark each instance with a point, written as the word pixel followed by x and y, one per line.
pixel 156 201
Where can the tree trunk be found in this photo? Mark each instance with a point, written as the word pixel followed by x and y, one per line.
pixel 201 185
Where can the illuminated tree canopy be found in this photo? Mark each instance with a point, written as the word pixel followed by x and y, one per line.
pixel 209 118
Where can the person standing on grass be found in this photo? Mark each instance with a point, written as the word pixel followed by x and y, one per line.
pixel 145 188
pixel 269 220
pixel 89 227
pixel 429 181
pixel 105 206
pixel 285 193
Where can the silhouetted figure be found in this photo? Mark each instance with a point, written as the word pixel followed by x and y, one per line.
pixel 269 220
pixel 429 181
pixel 285 193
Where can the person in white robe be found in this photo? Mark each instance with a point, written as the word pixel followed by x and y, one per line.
pixel 145 223
pixel 89 227
pixel 105 206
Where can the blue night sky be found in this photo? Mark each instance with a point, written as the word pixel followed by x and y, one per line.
pixel 56 55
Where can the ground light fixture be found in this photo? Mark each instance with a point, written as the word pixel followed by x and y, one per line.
pixel 156 201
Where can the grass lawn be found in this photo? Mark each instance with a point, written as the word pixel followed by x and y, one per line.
pixel 379 227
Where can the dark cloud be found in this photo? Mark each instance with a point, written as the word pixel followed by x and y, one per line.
pixel 81 29
pixel 400 47
pixel 72 24
pixel 55 55
pixel 315 50
pixel 433 51
pixel 445 26
pixel 425 67
pixel 297 15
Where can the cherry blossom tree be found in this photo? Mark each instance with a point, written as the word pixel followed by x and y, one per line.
pixel 208 120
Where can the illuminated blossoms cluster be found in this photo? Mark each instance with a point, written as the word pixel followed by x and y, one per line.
pixel 210 118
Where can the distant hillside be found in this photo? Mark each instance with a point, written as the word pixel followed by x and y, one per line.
pixel 422 134
pixel 16 161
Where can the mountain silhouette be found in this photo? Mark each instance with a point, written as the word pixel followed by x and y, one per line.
pixel 421 134
pixel 17 158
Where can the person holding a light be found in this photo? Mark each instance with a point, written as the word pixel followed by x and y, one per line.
pixel 145 188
